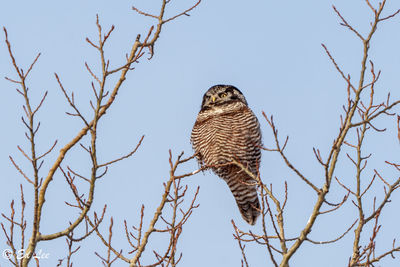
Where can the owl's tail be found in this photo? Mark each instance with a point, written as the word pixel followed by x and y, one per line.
pixel 245 193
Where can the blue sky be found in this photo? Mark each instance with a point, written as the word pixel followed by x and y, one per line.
pixel 270 50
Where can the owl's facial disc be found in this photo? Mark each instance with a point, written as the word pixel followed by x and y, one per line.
pixel 219 95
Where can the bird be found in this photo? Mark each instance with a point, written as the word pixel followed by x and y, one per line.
pixel 226 130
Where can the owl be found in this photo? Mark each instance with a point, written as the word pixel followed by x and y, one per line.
pixel 225 130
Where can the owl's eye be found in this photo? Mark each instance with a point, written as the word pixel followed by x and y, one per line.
pixel 222 95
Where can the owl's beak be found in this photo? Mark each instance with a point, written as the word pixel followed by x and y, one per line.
pixel 213 99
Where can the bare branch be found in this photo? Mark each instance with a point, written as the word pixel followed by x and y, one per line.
pixel 344 23
pixel 333 240
pixel 123 157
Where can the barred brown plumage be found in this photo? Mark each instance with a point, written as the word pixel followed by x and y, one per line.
pixel 227 129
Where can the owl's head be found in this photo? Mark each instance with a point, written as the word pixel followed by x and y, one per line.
pixel 219 95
